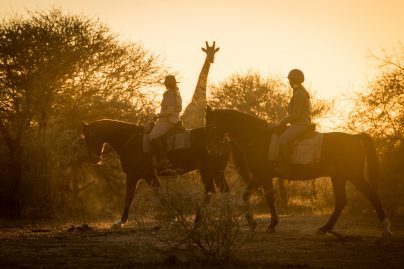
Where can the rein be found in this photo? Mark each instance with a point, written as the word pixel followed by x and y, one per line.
pixel 126 143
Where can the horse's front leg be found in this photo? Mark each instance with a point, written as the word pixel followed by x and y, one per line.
pixel 221 182
pixel 270 197
pixel 338 185
pixel 207 181
pixel 248 214
pixel 131 183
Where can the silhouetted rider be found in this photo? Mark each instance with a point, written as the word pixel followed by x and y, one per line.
pixel 169 116
pixel 298 119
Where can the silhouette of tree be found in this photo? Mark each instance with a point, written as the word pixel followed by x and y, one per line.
pixel 380 110
pixel 57 68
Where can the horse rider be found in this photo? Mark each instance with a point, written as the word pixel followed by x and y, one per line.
pixel 298 120
pixel 169 116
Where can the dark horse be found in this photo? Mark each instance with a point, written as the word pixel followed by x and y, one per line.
pixel 343 158
pixel 127 140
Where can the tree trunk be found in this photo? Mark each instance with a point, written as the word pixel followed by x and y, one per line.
pixel 14 205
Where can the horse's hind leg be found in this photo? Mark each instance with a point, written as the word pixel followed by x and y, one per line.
pixel 131 183
pixel 270 197
pixel 338 185
pixel 364 187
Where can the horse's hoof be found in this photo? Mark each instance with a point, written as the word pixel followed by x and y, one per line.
pixel 253 225
pixel 322 231
pixel 117 225
pixel 387 234
pixel 155 229
pixel 336 234
pixel 271 230
pixel 197 224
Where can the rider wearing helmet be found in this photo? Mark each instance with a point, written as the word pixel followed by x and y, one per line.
pixel 169 116
pixel 298 119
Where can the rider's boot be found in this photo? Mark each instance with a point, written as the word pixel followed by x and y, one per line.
pixel 163 165
pixel 284 167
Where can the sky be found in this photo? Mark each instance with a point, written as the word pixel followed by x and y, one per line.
pixel 329 40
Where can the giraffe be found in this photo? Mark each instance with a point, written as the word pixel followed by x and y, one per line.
pixel 194 113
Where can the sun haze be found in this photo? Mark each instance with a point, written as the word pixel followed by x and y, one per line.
pixel 328 40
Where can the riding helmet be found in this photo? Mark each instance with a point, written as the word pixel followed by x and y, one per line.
pixel 296 76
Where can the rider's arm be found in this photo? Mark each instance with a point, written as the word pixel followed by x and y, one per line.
pixel 172 105
pixel 297 109
pixel 167 112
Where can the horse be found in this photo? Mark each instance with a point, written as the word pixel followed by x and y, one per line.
pixel 126 139
pixel 343 157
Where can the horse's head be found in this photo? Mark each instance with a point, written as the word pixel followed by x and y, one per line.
pixel 216 137
pixel 93 141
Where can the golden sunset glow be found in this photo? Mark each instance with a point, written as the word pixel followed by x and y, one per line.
pixel 201 134
pixel 328 40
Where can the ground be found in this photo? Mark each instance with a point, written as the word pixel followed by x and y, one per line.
pixel 294 245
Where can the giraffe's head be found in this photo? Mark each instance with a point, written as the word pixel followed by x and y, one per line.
pixel 210 51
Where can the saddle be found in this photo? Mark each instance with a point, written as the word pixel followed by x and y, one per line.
pixel 177 138
pixel 305 150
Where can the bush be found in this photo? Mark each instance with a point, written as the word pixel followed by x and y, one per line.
pixel 217 236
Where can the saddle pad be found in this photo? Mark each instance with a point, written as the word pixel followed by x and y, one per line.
pixel 304 151
pixel 173 142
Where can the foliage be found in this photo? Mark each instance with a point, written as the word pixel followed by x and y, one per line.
pixel 380 110
pixel 218 235
pixel 55 70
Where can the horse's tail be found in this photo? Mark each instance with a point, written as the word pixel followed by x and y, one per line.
pixel 371 158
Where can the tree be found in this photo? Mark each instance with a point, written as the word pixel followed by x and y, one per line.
pixel 56 69
pixel 380 110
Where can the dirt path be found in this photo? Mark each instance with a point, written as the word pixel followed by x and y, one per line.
pixel 295 245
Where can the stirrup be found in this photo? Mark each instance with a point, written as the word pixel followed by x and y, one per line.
pixel 167 172
pixel 163 164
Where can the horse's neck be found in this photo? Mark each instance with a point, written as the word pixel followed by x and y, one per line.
pixel 242 132
pixel 117 139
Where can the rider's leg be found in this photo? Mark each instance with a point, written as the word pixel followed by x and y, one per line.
pixel 156 137
pixel 290 134
pixel 161 150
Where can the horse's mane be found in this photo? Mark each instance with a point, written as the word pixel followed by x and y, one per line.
pixel 239 116
pixel 109 124
pixel 114 122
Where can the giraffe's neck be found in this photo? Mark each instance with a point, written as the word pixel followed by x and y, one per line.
pixel 200 89
pixel 194 113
